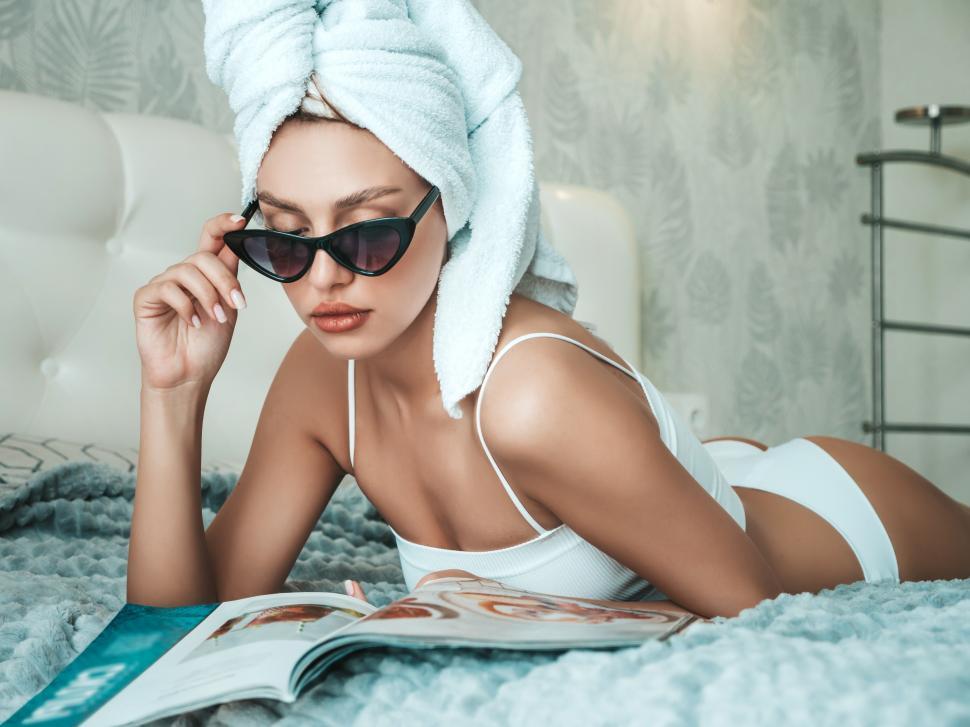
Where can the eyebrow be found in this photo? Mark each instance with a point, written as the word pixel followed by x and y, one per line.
pixel 350 200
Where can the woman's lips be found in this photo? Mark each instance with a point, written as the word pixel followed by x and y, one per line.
pixel 340 322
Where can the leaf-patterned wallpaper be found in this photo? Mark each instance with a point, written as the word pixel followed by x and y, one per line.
pixel 136 56
pixel 727 128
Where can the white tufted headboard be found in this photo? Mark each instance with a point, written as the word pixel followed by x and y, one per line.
pixel 94 204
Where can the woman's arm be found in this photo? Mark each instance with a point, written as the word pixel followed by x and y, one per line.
pixel 566 433
pixel 167 559
pixel 287 481
pixel 254 539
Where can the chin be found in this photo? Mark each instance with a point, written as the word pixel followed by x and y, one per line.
pixel 359 342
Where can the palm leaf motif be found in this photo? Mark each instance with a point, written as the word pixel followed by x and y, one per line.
pixel 558 162
pixel 764 313
pixel 846 277
pixel 657 322
pixel 733 138
pixel 845 73
pixel 804 347
pixel 16 17
pixel 709 289
pixel 592 18
pixel 668 80
pixel 758 394
pixel 10 79
pixel 849 382
pixel 83 55
pixel 802 26
pixel 167 88
pixel 811 28
pixel 620 158
pixel 170 66
pixel 783 199
pixel 756 58
pixel 565 107
pixel 825 181
pixel 669 227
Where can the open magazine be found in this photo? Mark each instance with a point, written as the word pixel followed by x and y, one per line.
pixel 152 662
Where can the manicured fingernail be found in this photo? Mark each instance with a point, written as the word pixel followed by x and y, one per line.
pixel 236 218
pixel 349 587
pixel 220 313
pixel 238 299
pixel 196 322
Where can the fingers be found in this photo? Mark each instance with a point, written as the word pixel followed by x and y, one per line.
pixel 354 589
pixel 201 281
pixel 451 572
pixel 173 295
pixel 192 279
pixel 214 281
pixel 204 283
pixel 208 279
pixel 211 240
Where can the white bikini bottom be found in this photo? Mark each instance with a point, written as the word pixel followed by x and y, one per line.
pixel 804 472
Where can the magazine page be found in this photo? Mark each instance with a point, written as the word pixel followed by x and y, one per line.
pixel 245 648
pixel 464 611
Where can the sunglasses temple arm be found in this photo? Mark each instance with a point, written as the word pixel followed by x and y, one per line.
pixel 250 210
pixel 429 200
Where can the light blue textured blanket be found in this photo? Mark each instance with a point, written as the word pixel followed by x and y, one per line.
pixel 859 654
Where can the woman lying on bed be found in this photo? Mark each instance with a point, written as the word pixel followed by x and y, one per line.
pixel 573 476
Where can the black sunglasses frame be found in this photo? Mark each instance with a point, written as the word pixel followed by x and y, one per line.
pixel 404 226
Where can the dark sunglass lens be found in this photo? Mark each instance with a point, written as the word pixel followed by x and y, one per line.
pixel 277 255
pixel 368 248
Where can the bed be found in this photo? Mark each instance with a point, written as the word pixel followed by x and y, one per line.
pixel 121 197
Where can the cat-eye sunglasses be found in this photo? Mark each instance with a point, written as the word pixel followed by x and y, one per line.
pixel 369 247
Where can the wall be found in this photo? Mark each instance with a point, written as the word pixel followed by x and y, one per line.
pixel 926 59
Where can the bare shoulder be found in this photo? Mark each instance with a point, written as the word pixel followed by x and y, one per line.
pixel 544 383
pixel 525 315
pixel 562 426
pixel 317 382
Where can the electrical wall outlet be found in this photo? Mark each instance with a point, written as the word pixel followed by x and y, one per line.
pixel 692 408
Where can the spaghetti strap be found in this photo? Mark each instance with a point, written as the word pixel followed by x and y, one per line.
pixel 630 371
pixel 351 405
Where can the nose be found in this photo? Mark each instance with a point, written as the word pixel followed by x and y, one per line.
pixel 325 272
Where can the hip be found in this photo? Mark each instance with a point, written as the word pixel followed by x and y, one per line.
pixel 804 548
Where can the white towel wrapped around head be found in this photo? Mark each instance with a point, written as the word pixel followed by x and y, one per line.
pixel 435 83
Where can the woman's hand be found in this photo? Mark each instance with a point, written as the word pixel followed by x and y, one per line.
pixel 451 572
pixel 353 589
pixel 174 350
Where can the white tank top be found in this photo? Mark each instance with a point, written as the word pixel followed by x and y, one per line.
pixel 559 561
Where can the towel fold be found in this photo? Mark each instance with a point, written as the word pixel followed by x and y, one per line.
pixel 435 83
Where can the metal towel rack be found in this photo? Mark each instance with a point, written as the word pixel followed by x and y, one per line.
pixel 935 117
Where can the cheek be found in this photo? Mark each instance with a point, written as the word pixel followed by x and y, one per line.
pixel 405 289
pixel 417 272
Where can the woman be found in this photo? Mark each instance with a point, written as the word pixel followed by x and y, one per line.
pixel 573 439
